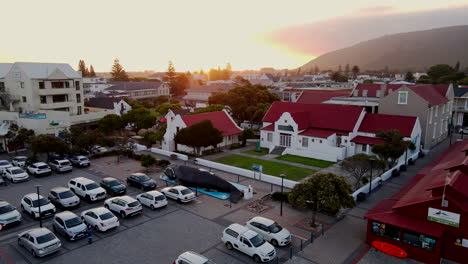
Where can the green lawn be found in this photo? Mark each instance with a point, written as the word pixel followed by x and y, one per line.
pixel 263 151
pixel 306 161
pixel 269 167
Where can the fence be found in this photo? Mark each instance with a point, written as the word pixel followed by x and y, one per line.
pixel 169 153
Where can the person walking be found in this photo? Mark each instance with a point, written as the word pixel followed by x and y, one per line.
pixel 4 179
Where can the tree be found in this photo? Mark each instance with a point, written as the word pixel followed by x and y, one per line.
pixel 110 123
pixel 210 108
pixel 199 135
pixel 439 70
pixel 48 144
pixel 463 81
pixel 316 70
pixel 140 118
pixel 326 191
pixel 347 69
pixel 457 66
pixel 340 69
pixel 84 139
pixel 91 71
pixel 118 73
pixel 424 79
pixel 246 134
pixel 171 75
pixel 147 161
pixel 338 77
pixel 180 84
pixel 359 167
pixel 409 77
pixel 162 109
pixel 17 138
pixel 368 81
pixel 393 147
pixel 355 71
pixel 82 68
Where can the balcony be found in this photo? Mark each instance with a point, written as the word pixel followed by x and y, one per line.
pixel 52 105
pixel 53 91
pixel 460 109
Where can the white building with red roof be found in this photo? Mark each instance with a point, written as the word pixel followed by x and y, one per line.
pixel 220 120
pixel 329 132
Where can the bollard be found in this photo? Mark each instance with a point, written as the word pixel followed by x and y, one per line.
pixel 290 252
pixel 311 237
pixel 271 188
pixel 277 260
pixel 167 184
pixel 90 235
pixel 230 203
pixel 238 178
pixel 301 244
pixel 323 229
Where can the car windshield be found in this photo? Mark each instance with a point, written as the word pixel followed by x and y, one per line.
pixel 159 198
pixel 275 228
pixel 66 194
pixel 133 204
pixel 42 167
pixel 257 241
pixel 17 171
pixel 4 162
pixel 6 209
pixel 40 202
pixel 65 163
pixel 84 159
pixel 20 158
pixel 185 191
pixel 73 222
pixel 106 216
pixel 113 183
pixel 92 186
pixel 45 238
pixel 143 178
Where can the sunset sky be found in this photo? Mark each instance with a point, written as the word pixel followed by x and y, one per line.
pixel 249 34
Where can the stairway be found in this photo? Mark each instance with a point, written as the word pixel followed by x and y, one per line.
pixel 278 150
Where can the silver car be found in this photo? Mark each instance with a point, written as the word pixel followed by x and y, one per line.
pixel 8 215
pixel 39 241
pixel 61 165
pixel 69 225
pixel 63 197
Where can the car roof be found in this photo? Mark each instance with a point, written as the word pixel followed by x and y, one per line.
pixel 193 257
pixel 59 189
pixel 15 167
pixel 155 193
pixel 35 232
pixel 262 220
pixel 98 210
pixel 5 160
pixel 17 157
pixel 66 215
pixel 63 160
pixel 238 228
pixel 82 180
pixel 179 187
pixel 3 203
pixel 33 196
pixel 127 198
pixel 138 174
pixel 80 157
pixel 39 163
pixel 109 179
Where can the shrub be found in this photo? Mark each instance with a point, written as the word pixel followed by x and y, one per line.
pixel 395 173
pixel 163 163
pixel 279 196
pixel 361 197
pixel 235 146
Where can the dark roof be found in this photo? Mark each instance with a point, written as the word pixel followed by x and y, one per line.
pixel 128 86
pixel 460 91
pixel 220 120
pixel 320 96
pixel 103 102
pixel 374 123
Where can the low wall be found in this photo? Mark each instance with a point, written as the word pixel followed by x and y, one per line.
pixel 326 153
pixel 383 177
pixel 246 173
pixel 140 147
pixel 169 153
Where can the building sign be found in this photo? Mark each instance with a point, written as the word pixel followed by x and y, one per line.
pixel 285 128
pixel 443 217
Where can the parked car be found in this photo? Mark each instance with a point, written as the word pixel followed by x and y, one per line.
pixel 100 219
pixel 2 182
pixel 4 164
pixel 270 231
pixel 87 189
pixel 98 149
pixel 124 206
pixel 61 165
pixel 113 186
pixel 69 225
pixel 16 174
pixel 8 215
pixel 80 161
pixel 248 242
pixel 19 161
pixel 142 181
pixel 39 241
pixel 63 197
pixel 152 199
pixel 190 257
pixel 39 169
pixel 31 202
pixel 179 193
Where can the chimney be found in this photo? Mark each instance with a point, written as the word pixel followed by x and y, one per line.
pixel 383 88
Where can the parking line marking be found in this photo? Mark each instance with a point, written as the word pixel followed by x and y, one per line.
pixel 5 256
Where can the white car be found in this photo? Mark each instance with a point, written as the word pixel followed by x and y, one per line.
pixel 19 161
pixel 4 164
pixel 124 206
pixel 61 165
pixel 87 189
pixel 179 193
pixel 270 231
pixel 31 203
pixel 98 149
pixel 190 257
pixel 8 215
pixel 16 174
pixel 39 241
pixel 100 219
pixel 248 242
pixel 152 199
pixel 63 197
pixel 80 161
pixel 39 169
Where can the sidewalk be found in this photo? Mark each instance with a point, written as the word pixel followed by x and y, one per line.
pixel 343 242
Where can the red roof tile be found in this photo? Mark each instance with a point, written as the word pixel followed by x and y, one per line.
pixel 319 96
pixel 433 94
pixel 367 140
pixel 374 123
pixel 323 116
pixel 270 127
pixel 220 120
pixel 319 133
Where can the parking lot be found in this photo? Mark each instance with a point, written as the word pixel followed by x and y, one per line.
pixel 153 237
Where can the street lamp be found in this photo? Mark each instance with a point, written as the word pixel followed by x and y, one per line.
pixel 39 203
pixel 370 182
pixel 281 206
